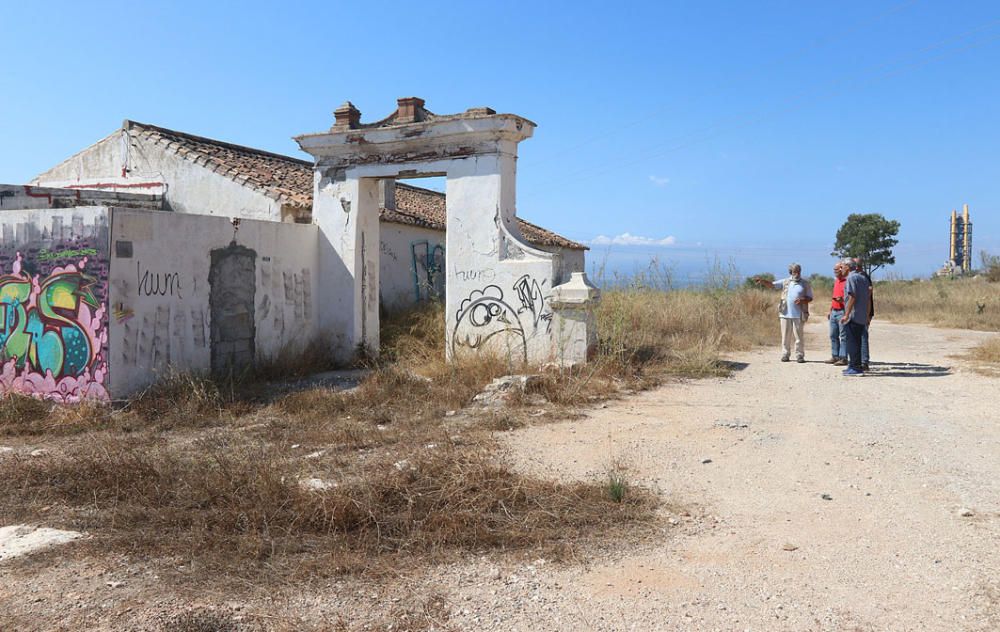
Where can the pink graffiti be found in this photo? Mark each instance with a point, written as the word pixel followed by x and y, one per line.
pixel 67 390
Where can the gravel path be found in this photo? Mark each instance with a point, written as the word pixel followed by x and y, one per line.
pixel 823 502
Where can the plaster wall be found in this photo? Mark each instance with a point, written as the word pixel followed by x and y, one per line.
pixel 568 261
pixel 346 212
pixel 498 285
pixel 187 187
pixel 54 274
pixel 411 266
pixel 170 277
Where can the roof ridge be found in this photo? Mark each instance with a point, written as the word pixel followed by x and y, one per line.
pixel 129 123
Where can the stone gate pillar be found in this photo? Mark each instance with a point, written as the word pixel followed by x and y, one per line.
pixel 499 288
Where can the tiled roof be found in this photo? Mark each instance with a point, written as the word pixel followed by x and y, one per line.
pixel 290 181
pixel 282 178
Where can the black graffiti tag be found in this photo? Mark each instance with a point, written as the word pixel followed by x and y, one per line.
pixel 157 283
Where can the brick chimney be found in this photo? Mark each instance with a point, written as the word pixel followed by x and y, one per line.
pixel 346 117
pixel 409 110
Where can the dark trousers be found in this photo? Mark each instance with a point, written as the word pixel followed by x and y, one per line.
pixel 854 333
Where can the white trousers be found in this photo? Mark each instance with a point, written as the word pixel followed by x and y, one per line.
pixel 792 327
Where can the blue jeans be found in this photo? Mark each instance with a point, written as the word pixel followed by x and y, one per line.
pixel 838 334
pixel 854 333
pixel 864 346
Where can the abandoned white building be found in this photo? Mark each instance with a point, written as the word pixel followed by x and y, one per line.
pixel 155 250
pixel 198 175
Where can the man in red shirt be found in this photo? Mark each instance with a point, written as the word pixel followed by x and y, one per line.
pixel 838 331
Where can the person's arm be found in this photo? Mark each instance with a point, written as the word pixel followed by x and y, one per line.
pixel 848 309
pixel 871 302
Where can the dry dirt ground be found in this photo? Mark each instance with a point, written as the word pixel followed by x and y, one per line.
pixel 832 503
pixel 795 499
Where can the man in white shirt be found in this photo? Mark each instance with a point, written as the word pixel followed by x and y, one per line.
pixel 793 310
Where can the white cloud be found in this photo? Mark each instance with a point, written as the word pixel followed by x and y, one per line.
pixel 659 181
pixel 628 239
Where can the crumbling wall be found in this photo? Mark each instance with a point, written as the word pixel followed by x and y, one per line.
pixel 54 302
pixel 180 287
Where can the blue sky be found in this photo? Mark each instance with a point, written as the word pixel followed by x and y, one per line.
pixel 746 131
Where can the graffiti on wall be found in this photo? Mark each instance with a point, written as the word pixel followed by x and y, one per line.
pixel 157 283
pixel 487 315
pixel 53 324
pixel 428 270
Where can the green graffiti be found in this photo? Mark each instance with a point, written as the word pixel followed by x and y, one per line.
pixel 47 336
pixel 48 255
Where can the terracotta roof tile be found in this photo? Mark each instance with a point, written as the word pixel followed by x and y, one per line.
pixel 290 181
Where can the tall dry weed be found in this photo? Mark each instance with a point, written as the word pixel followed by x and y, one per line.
pixel 969 303
pixel 683 331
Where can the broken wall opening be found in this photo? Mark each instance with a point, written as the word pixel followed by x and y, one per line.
pixel 412 246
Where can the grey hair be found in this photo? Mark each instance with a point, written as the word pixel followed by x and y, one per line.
pixel 794 268
pixel 852 264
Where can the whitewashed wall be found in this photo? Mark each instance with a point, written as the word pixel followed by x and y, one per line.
pixel 189 187
pixel 570 260
pixel 160 293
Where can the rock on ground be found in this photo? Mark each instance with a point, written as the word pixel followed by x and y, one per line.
pixel 21 539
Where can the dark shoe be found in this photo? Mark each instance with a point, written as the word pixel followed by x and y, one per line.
pixel 853 372
pixel 864 367
pixel 784 358
pixel 800 360
pixel 833 360
pixel 840 362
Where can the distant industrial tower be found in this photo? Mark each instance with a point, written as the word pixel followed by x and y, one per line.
pixel 961 241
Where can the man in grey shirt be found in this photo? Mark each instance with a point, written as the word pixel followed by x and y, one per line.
pixel 858 292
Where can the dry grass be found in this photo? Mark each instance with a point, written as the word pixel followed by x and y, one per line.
pixel 987 358
pixel 960 303
pixel 683 332
pixel 237 505
pixel 23 415
pixel 989 351
pixel 212 473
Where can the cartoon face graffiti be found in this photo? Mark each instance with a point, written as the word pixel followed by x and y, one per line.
pixel 485 315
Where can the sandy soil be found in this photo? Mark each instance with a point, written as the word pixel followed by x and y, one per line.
pixel 832 503
pixel 797 499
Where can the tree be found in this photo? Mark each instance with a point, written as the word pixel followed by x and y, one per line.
pixel 758 279
pixel 869 237
pixel 991 266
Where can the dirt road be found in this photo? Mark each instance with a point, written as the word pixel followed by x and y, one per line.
pixel 821 502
